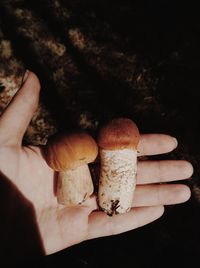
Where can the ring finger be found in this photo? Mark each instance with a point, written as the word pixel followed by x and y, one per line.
pixel 160 194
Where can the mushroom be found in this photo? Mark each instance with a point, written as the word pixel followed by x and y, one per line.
pixel 118 142
pixel 69 155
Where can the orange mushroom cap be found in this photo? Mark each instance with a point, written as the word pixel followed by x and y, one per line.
pixel 68 151
pixel 120 133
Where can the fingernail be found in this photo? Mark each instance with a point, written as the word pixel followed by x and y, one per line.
pixel 175 142
pixel 25 76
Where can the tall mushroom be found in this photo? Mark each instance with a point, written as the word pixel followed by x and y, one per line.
pixel 118 142
pixel 69 154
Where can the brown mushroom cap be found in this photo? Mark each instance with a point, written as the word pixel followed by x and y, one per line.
pixel 120 133
pixel 68 151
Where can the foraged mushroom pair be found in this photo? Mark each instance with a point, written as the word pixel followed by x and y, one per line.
pixel 70 154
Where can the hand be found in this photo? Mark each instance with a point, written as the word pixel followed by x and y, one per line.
pixel 29 184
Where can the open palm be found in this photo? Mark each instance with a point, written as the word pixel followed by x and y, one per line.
pixel 28 175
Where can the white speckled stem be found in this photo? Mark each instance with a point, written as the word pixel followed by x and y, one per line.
pixel 117 180
pixel 74 186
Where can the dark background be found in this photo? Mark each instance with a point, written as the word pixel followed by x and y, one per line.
pixel 138 59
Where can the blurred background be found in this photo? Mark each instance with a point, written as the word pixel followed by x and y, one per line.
pixel 101 59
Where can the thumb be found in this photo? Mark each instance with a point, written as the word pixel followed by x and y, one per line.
pixel 17 115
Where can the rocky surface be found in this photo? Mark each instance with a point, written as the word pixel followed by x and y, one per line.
pixel 100 59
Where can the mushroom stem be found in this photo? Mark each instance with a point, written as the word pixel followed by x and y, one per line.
pixel 117 180
pixel 118 141
pixel 69 154
pixel 74 186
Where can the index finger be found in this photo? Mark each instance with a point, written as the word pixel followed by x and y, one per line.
pixel 153 144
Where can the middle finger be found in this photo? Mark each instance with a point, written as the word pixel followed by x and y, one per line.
pixel 163 171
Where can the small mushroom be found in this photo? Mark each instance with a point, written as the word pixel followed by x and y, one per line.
pixel 69 155
pixel 118 142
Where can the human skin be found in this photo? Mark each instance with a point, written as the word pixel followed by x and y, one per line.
pixel 60 227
